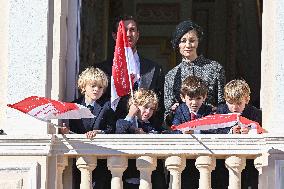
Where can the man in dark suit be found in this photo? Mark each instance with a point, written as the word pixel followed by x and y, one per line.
pixel 151 74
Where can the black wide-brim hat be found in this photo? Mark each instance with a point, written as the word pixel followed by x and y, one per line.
pixel 182 28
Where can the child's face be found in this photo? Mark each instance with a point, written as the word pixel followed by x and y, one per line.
pixel 93 92
pixel 194 103
pixel 145 112
pixel 237 107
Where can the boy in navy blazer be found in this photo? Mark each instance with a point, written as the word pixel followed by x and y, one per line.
pixel 193 93
pixel 237 96
pixel 92 83
pixel 142 106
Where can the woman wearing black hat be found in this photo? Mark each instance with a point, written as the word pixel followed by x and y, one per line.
pixel 186 39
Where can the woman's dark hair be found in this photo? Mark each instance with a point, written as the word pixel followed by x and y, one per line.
pixel 184 27
pixel 123 18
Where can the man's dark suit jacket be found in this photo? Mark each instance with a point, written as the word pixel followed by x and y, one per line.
pixel 152 77
pixel 182 113
pixel 104 118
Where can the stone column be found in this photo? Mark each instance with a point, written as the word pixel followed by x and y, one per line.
pixel 175 164
pixel 62 162
pixel 146 164
pixel 205 165
pixel 117 165
pixel 24 57
pixel 270 166
pixel 4 60
pixel 86 164
pixel 59 49
pixel 235 165
pixel 272 66
pixel 57 66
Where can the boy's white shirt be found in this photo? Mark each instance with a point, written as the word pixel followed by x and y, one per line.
pixel 92 104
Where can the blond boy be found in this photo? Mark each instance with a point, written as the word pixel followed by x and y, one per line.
pixel 92 83
pixel 237 96
pixel 142 106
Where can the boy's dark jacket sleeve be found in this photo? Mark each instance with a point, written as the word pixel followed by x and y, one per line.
pixel 182 113
pixel 104 119
pixel 127 127
pixel 250 112
pixel 179 115
pixel 124 127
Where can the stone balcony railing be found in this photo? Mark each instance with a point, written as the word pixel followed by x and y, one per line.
pixel 39 161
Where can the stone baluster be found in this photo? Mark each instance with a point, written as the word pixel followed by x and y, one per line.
pixel 235 165
pixel 261 164
pixel 175 164
pixel 62 162
pixel 258 164
pixel 117 165
pixel 205 165
pixel 86 164
pixel 146 164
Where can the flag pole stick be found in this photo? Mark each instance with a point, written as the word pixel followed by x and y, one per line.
pixel 129 76
pixel 49 122
pixel 130 83
pixel 55 125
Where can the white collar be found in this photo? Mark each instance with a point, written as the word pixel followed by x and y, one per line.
pixel 92 104
pixel 136 57
pixel 193 112
pixel 190 111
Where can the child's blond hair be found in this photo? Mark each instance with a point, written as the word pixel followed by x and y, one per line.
pixel 142 97
pixel 237 90
pixel 94 76
pixel 193 86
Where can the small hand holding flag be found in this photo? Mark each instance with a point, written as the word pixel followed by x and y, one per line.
pixel 125 70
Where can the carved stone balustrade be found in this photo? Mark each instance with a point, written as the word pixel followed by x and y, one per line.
pixel 44 158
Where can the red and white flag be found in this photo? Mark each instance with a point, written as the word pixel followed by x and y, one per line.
pixel 45 109
pixel 125 70
pixel 218 121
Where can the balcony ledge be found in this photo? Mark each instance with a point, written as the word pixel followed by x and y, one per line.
pixel 135 145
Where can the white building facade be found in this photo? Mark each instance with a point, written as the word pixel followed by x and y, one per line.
pixel 38 56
